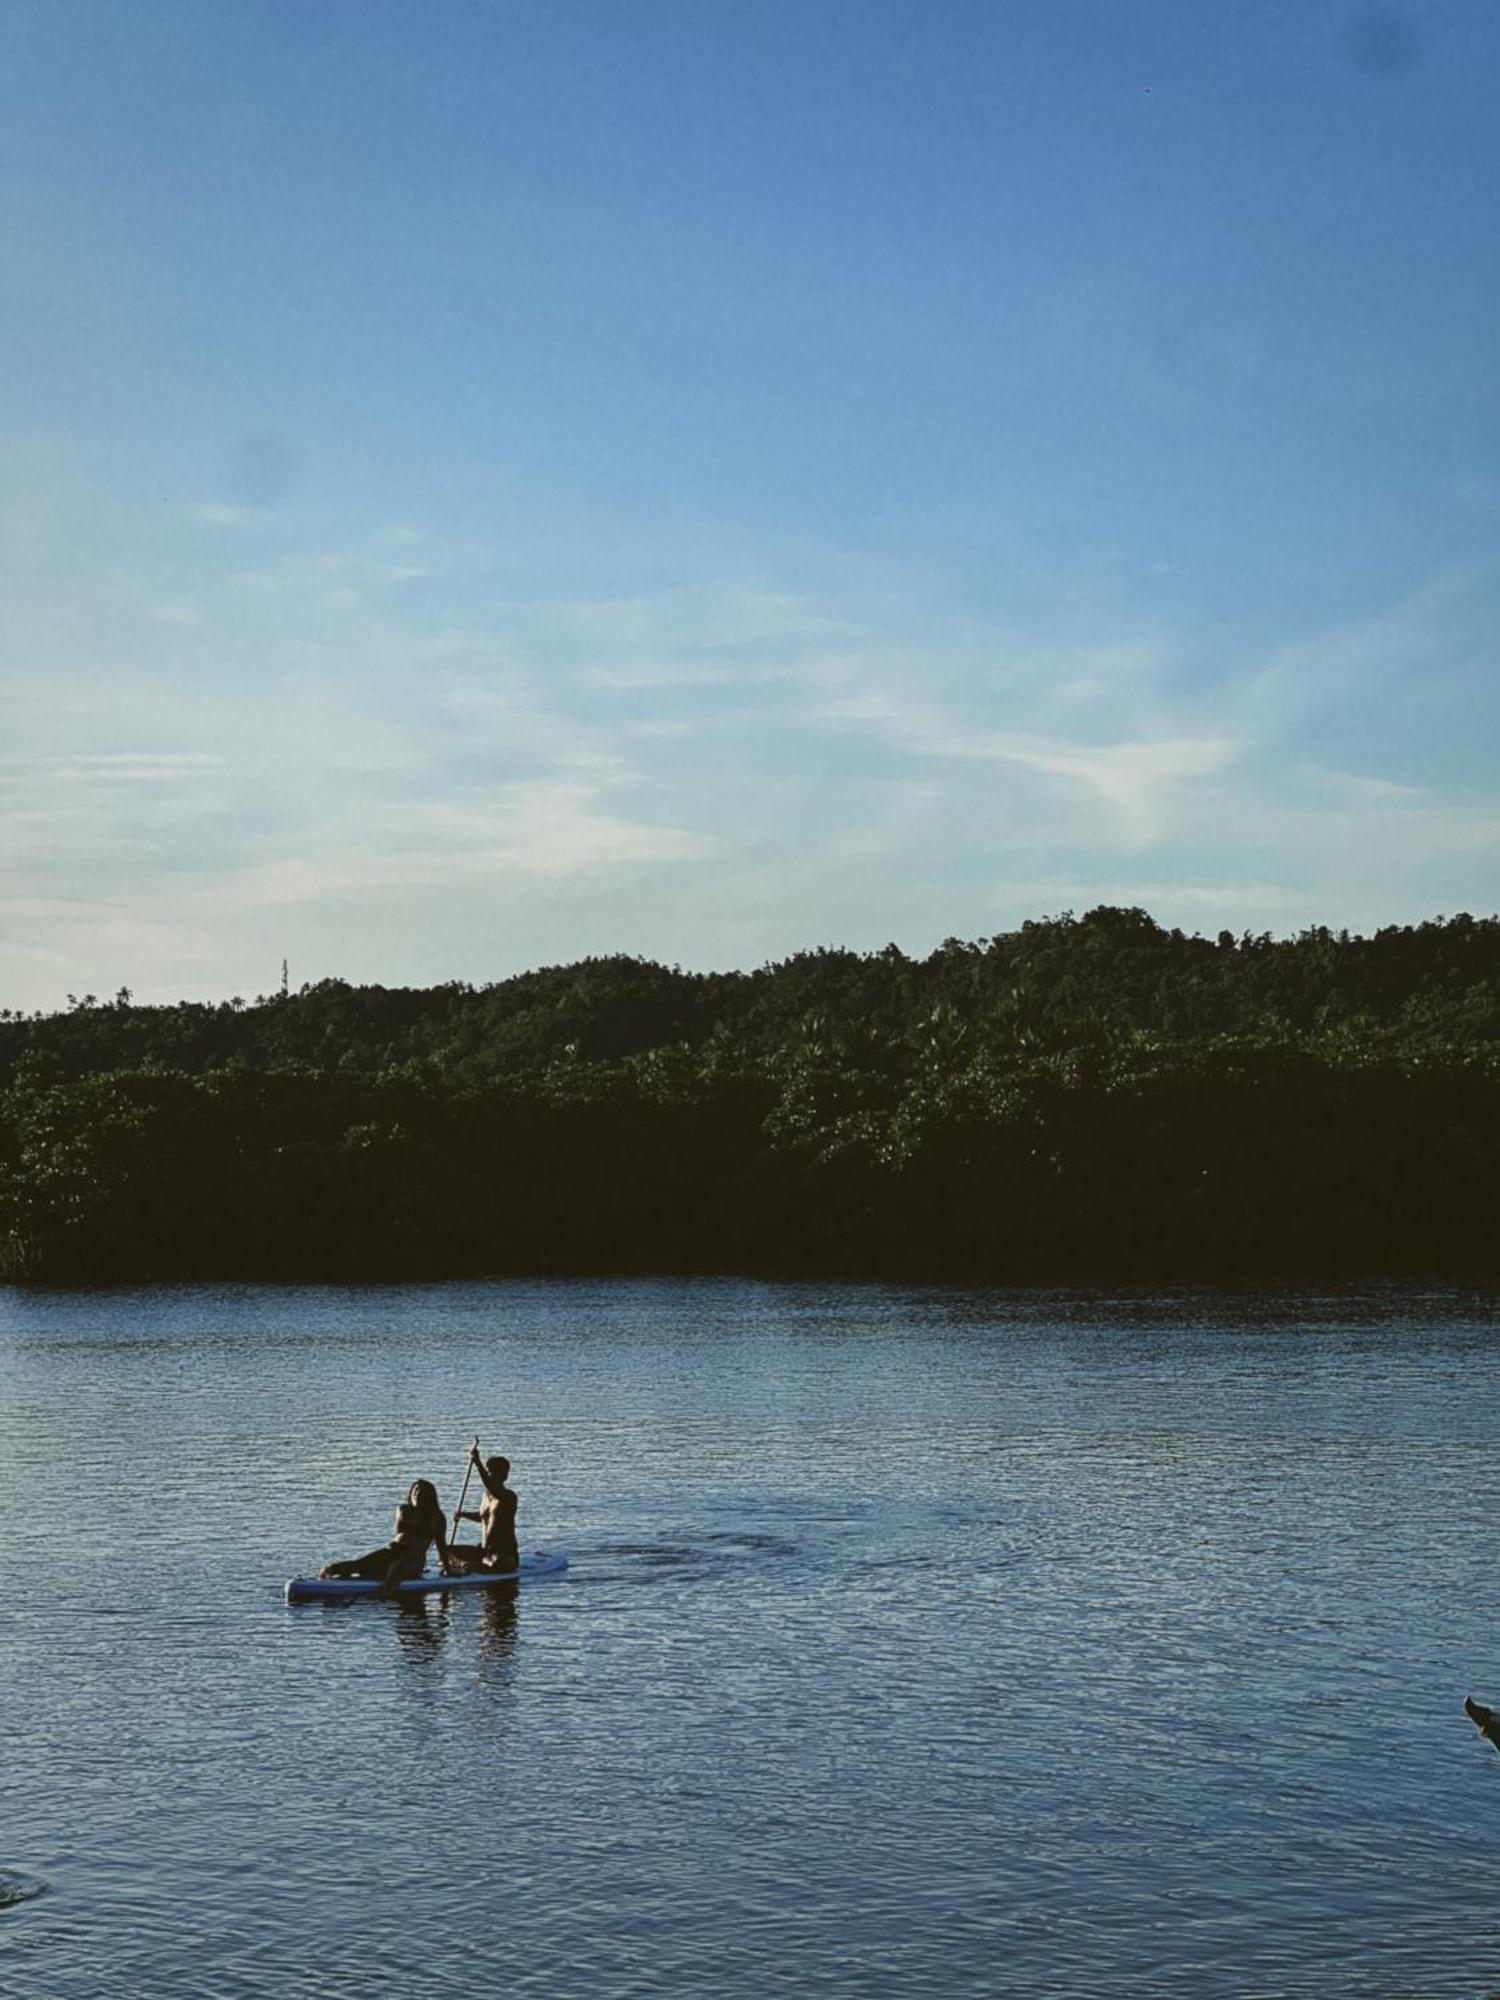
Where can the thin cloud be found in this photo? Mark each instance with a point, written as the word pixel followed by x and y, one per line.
pixel 140 766
pixel 553 827
pixel 351 764
pixel 1364 790
pixel 1438 634
pixel 218 514
pixel 1134 779
pixel 538 832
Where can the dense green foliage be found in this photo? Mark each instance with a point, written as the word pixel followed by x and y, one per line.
pixel 1079 1098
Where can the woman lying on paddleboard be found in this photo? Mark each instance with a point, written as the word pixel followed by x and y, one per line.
pixel 419 1522
pixel 496 1517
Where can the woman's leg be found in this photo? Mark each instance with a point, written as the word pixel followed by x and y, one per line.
pixel 371 1568
pixel 403 1565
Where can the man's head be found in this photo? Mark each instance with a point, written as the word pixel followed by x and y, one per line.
pixel 498 1468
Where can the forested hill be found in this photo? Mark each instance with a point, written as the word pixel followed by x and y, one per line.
pixel 1082 1098
pixel 1058 981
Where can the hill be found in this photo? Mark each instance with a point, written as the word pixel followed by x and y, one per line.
pixel 1084 1096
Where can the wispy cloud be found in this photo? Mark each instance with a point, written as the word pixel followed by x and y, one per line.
pixel 375 751
pixel 141 767
pixel 1405 690
pixel 219 514
pixel 1135 779
pixel 552 827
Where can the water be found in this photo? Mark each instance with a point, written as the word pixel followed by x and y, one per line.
pixel 915 1643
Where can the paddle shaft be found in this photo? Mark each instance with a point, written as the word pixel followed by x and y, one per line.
pixel 464 1490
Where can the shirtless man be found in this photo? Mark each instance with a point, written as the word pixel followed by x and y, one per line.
pixel 496 1517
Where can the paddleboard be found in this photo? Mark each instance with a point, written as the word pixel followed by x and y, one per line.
pixel 310 1589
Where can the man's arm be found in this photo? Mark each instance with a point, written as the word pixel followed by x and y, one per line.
pixel 488 1484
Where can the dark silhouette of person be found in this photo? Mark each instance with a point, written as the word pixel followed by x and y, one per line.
pixel 496 1516
pixel 419 1523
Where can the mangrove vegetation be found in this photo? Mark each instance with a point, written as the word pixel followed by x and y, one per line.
pixel 1084 1098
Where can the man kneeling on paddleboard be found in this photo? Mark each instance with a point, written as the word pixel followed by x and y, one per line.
pixel 419 1521
pixel 497 1548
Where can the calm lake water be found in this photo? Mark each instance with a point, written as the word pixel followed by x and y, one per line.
pixel 915 1643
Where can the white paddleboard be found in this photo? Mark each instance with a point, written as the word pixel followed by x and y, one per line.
pixel 310 1589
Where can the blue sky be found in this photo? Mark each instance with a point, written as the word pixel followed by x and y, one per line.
pixel 483 484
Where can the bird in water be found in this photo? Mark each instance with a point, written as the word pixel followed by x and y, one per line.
pixel 1485 1720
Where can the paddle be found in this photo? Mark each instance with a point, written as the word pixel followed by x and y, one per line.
pixel 464 1491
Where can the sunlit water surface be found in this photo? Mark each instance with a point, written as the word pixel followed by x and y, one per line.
pixel 915 1643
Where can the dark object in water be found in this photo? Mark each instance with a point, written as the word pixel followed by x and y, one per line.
pixel 16 1888
pixel 1485 1720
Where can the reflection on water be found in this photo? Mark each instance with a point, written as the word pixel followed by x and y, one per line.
pixel 942 1644
pixel 497 1639
pixel 421 1627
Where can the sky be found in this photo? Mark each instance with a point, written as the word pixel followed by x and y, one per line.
pixel 492 483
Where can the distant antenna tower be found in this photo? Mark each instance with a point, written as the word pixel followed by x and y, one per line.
pixel 284 986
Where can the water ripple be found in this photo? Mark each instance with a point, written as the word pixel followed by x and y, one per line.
pixel 959 1645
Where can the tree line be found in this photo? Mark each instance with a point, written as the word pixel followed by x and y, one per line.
pixel 1083 1098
